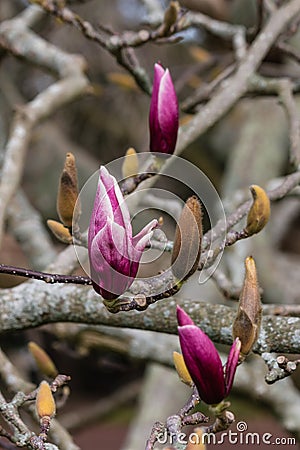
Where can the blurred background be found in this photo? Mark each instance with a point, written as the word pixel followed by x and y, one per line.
pixel 117 391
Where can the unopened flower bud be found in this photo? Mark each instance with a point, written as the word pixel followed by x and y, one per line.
pixel 68 192
pixel 247 322
pixel 259 213
pixel 163 115
pixel 43 360
pixel 45 404
pixel 203 362
pixel 114 253
pixel 131 164
pixel 170 16
pixel 181 369
pixel 187 241
pixel 60 231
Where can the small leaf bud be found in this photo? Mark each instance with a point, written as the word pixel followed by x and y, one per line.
pixel 247 322
pixel 60 231
pixel 181 369
pixel 131 164
pixel 68 192
pixel 170 16
pixel 259 212
pixel 43 360
pixel 187 241
pixel 45 404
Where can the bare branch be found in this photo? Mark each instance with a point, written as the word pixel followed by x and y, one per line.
pixel 236 86
pixel 17 38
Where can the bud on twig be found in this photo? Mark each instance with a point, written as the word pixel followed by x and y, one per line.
pixel 68 192
pixel 181 369
pixel 131 164
pixel 170 16
pixel 60 231
pixel 247 322
pixel 43 360
pixel 187 241
pixel 45 404
pixel 259 213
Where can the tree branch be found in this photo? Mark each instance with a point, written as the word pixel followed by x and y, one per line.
pixel 18 39
pixel 33 304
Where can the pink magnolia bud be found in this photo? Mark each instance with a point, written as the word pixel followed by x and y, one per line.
pixel 163 116
pixel 203 361
pixel 114 253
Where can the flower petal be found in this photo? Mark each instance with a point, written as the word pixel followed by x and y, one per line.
pixel 143 237
pixel 203 363
pixel 117 201
pixel 167 107
pixel 231 364
pixel 110 269
pixel 183 318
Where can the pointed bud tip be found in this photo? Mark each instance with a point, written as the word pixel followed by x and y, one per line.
pixel 182 317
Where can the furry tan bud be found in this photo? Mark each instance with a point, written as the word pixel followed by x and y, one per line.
pixel 45 404
pixel 259 213
pixel 68 192
pixel 181 369
pixel 247 322
pixel 170 16
pixel 131 164
pixel 187 241
pixel 43 360
pixel 60 231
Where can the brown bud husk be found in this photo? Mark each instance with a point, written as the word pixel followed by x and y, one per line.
pixel 45 404
pixel 260 210
pixel 68 192
pixel 43 360
pixel 181 369
pixel 60 231
pixel 187 241
pixel 171 15
pixel 247 322
pixel 131 164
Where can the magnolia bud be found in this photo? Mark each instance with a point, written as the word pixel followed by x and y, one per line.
pixel 170 16
pixel 247 322
pixel 43 360
pixel 68 192
pixel 131 164
pixel 259 213
pixel 45 404
pixel 60 231
pixel 187 241
pixel 181 369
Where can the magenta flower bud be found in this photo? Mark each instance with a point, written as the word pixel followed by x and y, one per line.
pixel 163 116
pixel 203 361
pixel 114 254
